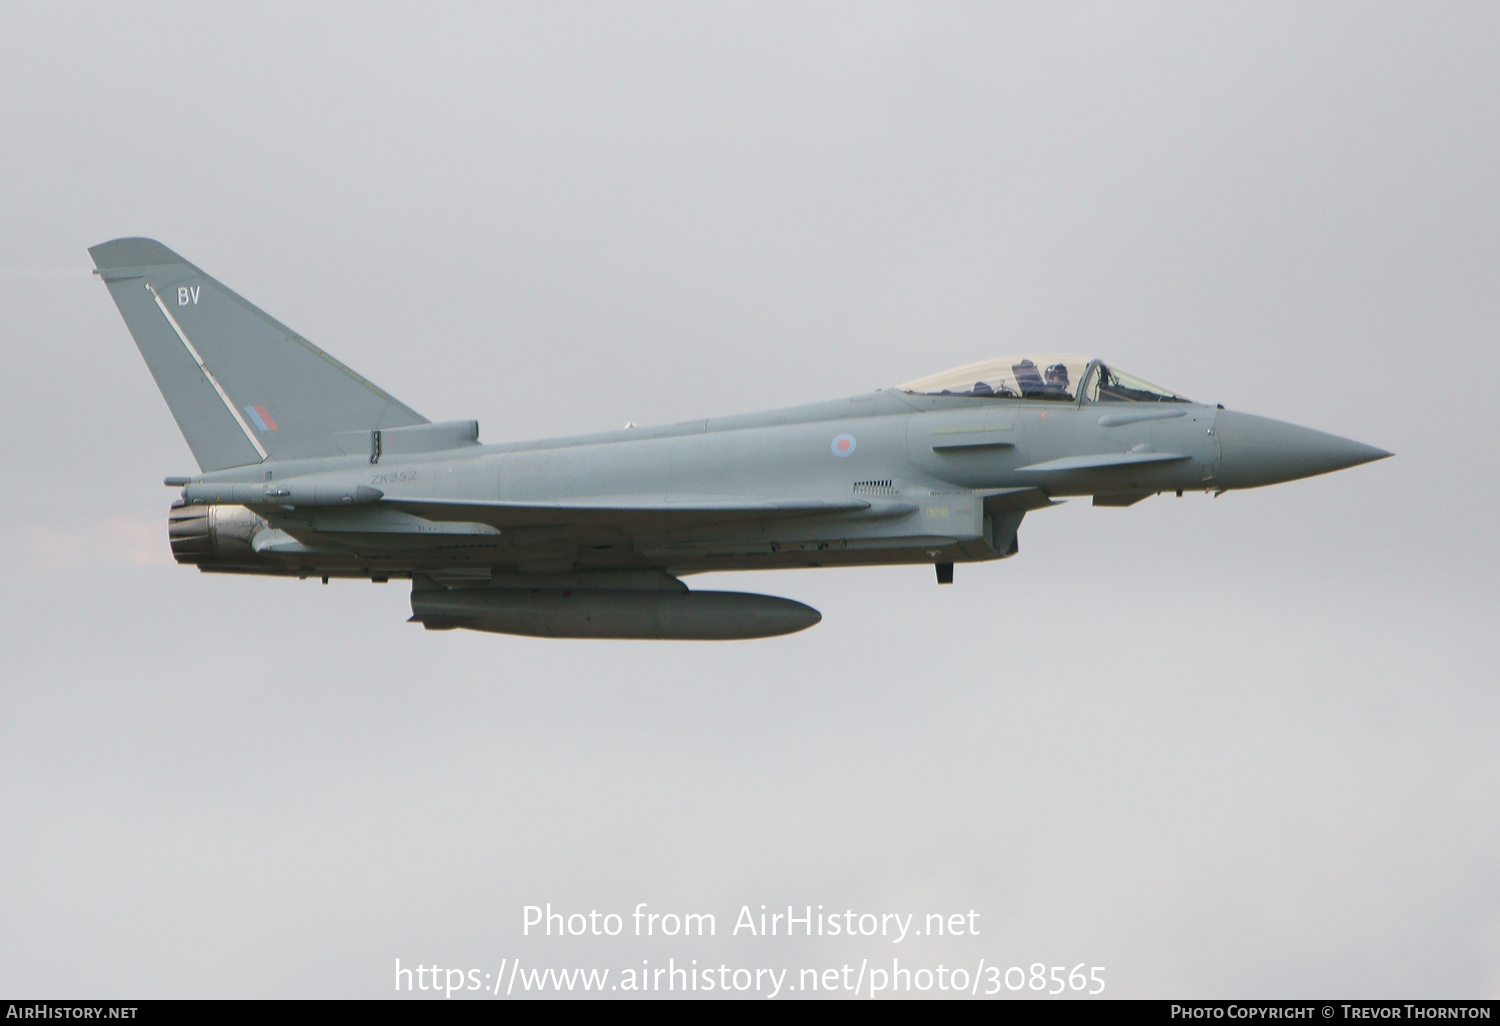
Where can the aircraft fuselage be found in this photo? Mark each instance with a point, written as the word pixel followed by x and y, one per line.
pixel 920 479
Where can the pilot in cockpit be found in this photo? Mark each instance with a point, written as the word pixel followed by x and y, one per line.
pixel 1057 380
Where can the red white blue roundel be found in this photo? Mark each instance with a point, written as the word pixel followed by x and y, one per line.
pixel 842 446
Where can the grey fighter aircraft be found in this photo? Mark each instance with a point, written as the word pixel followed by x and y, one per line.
pixel 309 470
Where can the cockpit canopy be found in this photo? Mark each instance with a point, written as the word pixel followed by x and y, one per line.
pixel 1040 376
pixel 1053 376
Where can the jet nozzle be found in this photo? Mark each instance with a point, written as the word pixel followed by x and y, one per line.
pixel 1256 451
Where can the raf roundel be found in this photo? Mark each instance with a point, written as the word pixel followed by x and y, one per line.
pixel 842 446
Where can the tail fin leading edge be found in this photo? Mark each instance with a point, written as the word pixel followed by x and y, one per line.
pixel 242 386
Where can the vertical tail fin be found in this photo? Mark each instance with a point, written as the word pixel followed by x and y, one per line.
pixel 242 386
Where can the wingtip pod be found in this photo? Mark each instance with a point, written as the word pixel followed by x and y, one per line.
pixel 132 252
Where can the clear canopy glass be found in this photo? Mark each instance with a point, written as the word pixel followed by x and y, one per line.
pixel 1055 376
pixel 1113 386
pixel 1039 376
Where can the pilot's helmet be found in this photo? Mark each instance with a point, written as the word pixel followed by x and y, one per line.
pixel 1057 376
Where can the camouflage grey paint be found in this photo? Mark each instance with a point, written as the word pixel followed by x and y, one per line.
pixel 587 536
pixel 257 360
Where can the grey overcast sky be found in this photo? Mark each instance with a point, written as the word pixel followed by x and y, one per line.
pixel 1241 746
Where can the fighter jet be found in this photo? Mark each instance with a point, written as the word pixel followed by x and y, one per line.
pixel 307 470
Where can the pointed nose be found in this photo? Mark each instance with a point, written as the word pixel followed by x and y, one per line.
pixel 1257 451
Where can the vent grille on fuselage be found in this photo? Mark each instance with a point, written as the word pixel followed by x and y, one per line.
pixel 882 487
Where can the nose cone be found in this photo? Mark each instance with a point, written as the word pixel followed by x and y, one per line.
pixel 1259 451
